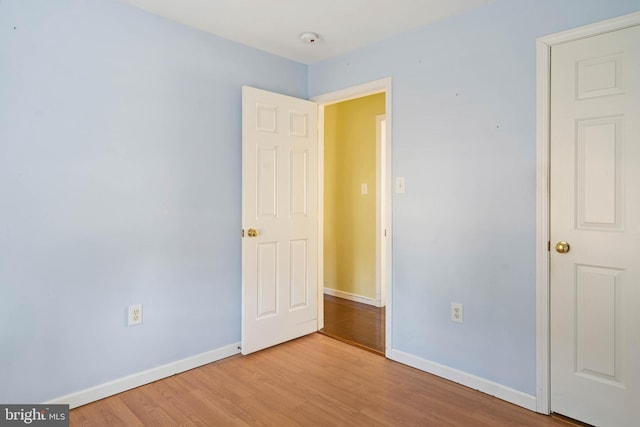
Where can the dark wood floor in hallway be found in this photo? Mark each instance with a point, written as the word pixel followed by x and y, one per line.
pixel 311 381
pixel 354 323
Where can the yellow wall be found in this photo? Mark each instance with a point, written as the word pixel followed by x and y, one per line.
pixel 350 217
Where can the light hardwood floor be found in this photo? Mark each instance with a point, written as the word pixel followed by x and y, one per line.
pixel 354 323
pixel 312 381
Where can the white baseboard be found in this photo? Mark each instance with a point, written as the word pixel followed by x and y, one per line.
pixel 352 297
pixel 489 387
pixel 145 377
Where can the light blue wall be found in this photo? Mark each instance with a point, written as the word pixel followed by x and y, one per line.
pixel 119 183
pixel 464 138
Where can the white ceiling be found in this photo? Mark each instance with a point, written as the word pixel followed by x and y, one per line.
pixel 275 25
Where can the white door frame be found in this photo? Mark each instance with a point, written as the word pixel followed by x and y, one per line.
pixel 543 109
pixel 381 224
pixel 359 91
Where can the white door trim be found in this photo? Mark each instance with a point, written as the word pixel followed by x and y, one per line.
pixel 370 88
pixel 543 108
pixel 381 225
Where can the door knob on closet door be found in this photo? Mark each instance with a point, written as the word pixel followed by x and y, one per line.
pixel 562 247
pixel 252 232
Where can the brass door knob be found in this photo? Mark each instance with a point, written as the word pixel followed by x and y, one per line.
pixel 562 247
pixel 252 232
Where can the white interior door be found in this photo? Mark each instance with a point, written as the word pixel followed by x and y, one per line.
pixel 595 207
pixel 279 218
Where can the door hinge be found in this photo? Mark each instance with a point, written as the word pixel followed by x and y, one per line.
pixel 548 245
pixel 385 232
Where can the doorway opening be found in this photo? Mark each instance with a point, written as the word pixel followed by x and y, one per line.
pixel 355 213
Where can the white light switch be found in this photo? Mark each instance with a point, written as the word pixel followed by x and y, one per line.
pixel 364 189
pixel 400 184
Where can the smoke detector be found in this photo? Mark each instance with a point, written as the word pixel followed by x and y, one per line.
pixel 309 38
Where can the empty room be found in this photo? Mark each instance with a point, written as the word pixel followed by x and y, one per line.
pixel 183 187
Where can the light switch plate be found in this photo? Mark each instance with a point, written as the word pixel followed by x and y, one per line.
pixel 400 188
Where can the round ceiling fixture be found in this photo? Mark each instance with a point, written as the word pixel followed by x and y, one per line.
pixel 309 38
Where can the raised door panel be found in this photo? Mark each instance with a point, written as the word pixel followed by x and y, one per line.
pixel 298 276
pixel 600 76
pixel 599 338
pixel 267 283
pixel 267 185
pixel 298 182
pixel 599 173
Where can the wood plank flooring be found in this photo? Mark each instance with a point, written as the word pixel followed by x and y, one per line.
pixel 354 323
pixel 311 381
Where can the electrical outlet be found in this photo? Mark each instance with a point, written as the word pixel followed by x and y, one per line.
pixel 135 315
pixel 457 312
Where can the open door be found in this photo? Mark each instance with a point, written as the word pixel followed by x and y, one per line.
pixel 279 218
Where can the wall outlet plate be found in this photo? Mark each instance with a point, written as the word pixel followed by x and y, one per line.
pixel 457 313
pixel 135 315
